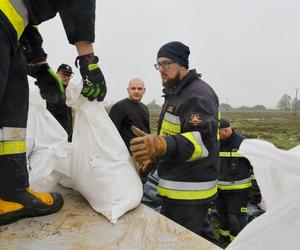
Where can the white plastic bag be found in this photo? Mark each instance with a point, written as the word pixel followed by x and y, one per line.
pixel 278 175
pixel 47 147
pixel 102 169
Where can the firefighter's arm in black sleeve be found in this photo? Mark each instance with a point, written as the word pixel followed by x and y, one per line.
pixel 189 144
pixel 198 131
pixel 78 17
pixel 46 79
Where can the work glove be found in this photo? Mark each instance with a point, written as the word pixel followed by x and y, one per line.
pixel 146 146
pixel 51 86
pixel 94 85
pixel 255 195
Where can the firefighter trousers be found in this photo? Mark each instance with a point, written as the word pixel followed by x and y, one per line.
pixel 190 217
pixel 14 98
pixel 232 211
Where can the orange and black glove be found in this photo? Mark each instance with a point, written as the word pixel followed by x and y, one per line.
pixel 146 146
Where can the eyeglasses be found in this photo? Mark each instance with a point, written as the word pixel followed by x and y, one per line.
pixel 164 65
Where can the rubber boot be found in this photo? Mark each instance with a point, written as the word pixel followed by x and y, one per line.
pixel 27 203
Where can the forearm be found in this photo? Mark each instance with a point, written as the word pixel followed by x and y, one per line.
pixel 84 47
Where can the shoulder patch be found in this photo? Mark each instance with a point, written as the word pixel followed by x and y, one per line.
pixel 195 119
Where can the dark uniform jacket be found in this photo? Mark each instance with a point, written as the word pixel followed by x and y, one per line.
pixel 126 113
pixel 235 170
pixel 189 122
pixel 78 17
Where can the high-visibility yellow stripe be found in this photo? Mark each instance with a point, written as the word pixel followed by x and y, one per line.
pixel 168 128
pixel 244 209
pixel 224 232
pixel 218 132
pixel 231 237
pixel 198 150
pixel 12 147
pixel 186 195
pixel 234 187
pixel 13 16
pixel 93 66
pixel 230 154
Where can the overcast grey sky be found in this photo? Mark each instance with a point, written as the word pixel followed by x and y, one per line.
pixel 248 51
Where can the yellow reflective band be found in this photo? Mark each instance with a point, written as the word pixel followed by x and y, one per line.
pixel 12 147
pixel 244 209
pixel 186 195
pixel 234 187
pixel 13 16
pixel 168 128
pixel 253 178
pixel 231 237
pixel 224 232
pixel 93 66
pixel 8 207
pixel 230 154
pixel 218 132
pixel 198 150
pixel 58 80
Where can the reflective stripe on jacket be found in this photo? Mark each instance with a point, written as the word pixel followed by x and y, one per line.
pixel 17 14
pixel 235 169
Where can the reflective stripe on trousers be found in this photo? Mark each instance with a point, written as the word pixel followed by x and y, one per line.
pixel 12 140
pixel 234 185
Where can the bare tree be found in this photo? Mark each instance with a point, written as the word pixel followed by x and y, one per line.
pixel 285 103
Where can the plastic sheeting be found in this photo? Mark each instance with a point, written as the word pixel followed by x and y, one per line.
pixel 278 175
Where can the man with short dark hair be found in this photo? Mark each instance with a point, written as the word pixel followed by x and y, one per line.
pixel 185 150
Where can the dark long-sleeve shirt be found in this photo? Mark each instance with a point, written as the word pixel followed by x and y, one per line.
pixel 126 113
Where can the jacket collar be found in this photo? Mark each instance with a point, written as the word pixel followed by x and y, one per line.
pixel 189 77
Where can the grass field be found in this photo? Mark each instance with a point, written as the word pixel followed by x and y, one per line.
pixel 280 128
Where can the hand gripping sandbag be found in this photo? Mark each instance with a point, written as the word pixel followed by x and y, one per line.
pixel 278 174
pixel 102 169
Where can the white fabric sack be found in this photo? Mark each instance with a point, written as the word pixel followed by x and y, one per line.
pixel 102 168
pixel 47 148
pixel 278 175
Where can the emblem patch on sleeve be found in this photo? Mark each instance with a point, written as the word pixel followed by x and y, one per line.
pixel 195 119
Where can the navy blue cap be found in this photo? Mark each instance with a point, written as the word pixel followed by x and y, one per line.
pixel 224 123
pixel 175 51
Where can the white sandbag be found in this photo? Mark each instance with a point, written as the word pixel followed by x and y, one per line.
pixel 278 175
pixel 47 147
pixel 102 169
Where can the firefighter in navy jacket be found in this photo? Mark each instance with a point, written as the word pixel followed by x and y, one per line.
pixel 234 183
pixel 17 20
pixel 186 147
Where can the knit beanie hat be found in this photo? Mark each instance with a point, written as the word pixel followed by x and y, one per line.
pixel 224 123
pixel 175 51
